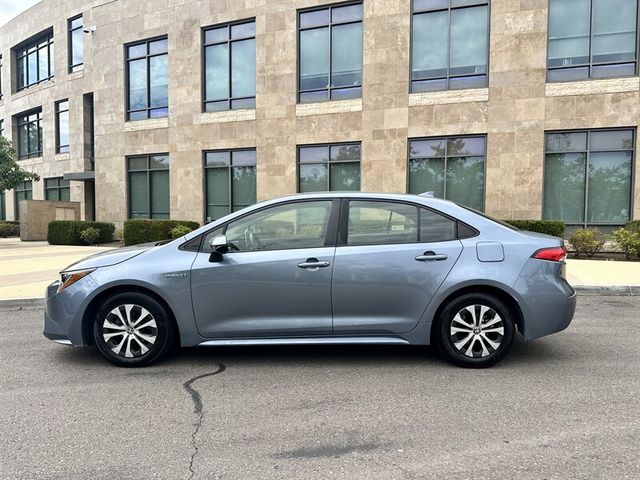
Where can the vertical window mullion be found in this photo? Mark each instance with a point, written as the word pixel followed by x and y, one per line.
pixel 586 178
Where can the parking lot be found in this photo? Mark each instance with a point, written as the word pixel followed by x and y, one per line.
pixel 564 406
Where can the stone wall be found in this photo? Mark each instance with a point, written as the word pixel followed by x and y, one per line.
pixel 35 216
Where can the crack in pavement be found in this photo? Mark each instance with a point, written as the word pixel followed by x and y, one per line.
pixel 198 410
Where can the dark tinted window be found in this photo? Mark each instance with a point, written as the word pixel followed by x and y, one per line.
pixel 435 227
pixel 379 223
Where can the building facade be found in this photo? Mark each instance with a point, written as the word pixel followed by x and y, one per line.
pixel 191 109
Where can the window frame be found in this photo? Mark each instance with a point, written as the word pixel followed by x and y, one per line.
pixel 147 57
pixel 57 188
pixel 25 48
pixel 587 152
pixel 590 64
pixel 446 157
pixel 21 189
pixel 71 67
pixel 57 112
pixel 343 229
pixel 329 240
pixel 449 8
pixel 230 169
pixel 328 163
pixel 147 170
pixel 329 89
pixel 229 42
pixel 19 123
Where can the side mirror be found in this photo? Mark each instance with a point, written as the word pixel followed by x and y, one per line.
pixel 219 247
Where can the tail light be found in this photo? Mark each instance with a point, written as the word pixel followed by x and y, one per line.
pixel 553 254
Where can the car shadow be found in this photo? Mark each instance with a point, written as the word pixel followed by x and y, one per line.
pixel 291 356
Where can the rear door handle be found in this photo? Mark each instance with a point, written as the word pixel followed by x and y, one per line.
pixel 431 257
pixel 313 263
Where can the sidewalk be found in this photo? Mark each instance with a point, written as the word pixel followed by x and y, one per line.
pixel 26 268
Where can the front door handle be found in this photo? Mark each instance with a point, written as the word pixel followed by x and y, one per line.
pixel 431 257
pixel 313 263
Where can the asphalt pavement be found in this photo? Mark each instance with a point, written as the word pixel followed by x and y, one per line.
pixel 561 407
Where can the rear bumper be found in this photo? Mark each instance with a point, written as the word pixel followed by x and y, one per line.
pixel 548 301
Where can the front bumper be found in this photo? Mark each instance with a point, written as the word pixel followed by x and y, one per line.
pixel 64 311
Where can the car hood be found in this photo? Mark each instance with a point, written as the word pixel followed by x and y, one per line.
pixel 112 257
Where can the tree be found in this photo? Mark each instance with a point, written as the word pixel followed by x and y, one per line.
pixel 11 174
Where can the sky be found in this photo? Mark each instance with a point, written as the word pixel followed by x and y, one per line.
pixel 11 8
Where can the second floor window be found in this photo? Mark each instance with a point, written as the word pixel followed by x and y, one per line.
pixel 230 181
pixel 451 168
pixel 62 126
pixel 330 53
pixel 230 67
pixel 57 189
pixel 34 61
pixel 449 45
pixel 147 79
pixel 324 168
pixel 76 44
pixel 29 126
pixel 591 39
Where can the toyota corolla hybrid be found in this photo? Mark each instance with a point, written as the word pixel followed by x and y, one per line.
pixel 328 268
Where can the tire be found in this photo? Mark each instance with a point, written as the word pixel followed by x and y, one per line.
pixel 475 330
pixel 133 330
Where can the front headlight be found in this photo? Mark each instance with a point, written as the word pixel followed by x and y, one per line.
pixel 69 278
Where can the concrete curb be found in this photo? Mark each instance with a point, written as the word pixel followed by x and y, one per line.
pixel 17 303
pixel 613 290
pixel 602 290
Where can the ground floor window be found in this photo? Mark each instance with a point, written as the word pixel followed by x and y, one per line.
pixel 230 181
pixel 24 191
pixel 333 167
pixel 57 189
pixel 148 178
pixel 3 213
pixel 450 167
pixel 587 176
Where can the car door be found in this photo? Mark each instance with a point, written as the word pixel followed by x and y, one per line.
pixel 276 278
pixel 389 265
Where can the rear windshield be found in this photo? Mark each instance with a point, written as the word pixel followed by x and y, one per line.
pixel 489 217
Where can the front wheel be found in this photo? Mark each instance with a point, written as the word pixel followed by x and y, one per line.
pixel 133 330
pixel 475 330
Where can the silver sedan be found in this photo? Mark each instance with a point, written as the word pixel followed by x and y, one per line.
pixel 329 268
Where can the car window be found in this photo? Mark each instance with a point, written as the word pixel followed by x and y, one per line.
pixel 284 227
pixel 435 227
pixel 378 223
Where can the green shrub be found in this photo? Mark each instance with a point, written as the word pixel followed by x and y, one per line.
pixel 633 226
pixel 69 232
pixel 180 231
pixel 145 231
pixel 550 227
pixel 90 235
pixel 628 241
pixel 587 241
pixel 9 229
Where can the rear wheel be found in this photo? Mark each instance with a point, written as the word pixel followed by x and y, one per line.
pixel 475 330
pixel 133 330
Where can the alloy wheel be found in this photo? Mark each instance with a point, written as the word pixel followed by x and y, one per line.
pixel 129 330
pixel 477 331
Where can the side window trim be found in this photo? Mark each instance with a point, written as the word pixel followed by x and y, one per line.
pixel 343 228
pixel 331 230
